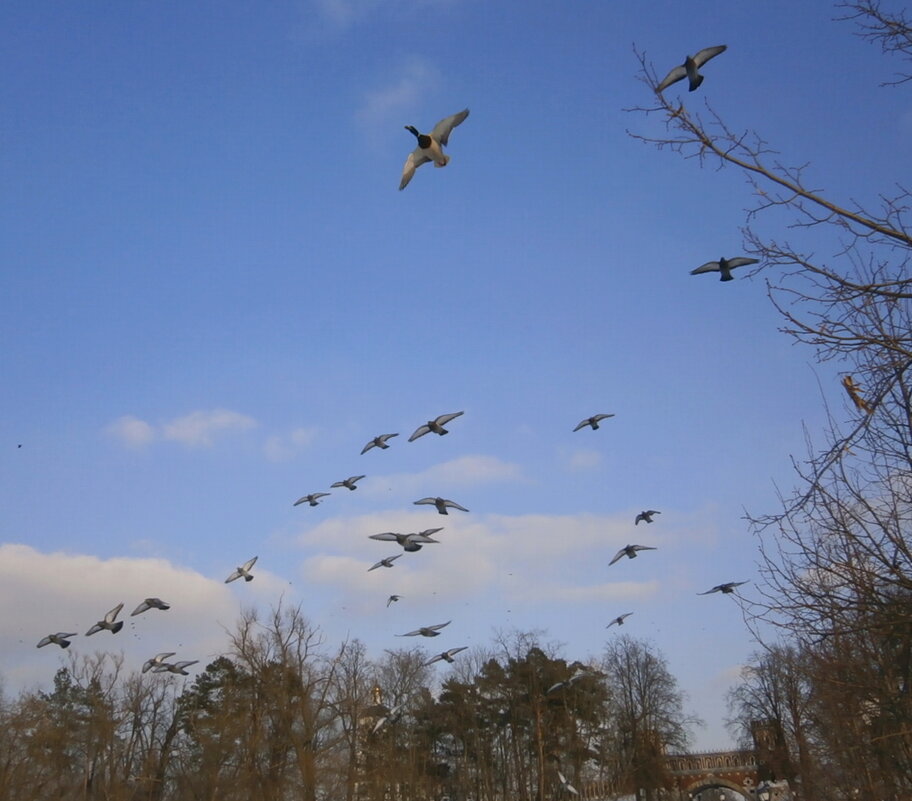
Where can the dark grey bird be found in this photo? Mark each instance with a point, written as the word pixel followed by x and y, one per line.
pixel 592 422
pixel 442 504
pixel 177 667
pixel 430 146
pixel 313 499
pixel 409 542
pixel 243 570
pixel 630 551
pixel 727 588
pixel 392 599
pixel 108 622
pixel 724 266
pixel 348 483
pixel 426 631
pixel 156 660
pixel 61 638
pixel 619 620
pixel 378 442
pixel 150 603
pixel 645 515
pixel 387 562
pixel 436 425
pixel 446 656
pixel 690 68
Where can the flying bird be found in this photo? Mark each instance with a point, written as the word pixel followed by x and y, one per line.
pixel 592 421
pixel 442 504
pixel 446 656
pixel 313 498
pixel 150 603
pixel 427 631
pixel 724 266
pixel 690 68
pixel 565 786
pixel 390 717
pixel 156 660
pixel 177 667
pixel 243 570
pixel 619 620
pixel 727 588
pixel 61 638
pixel 378 442
pixel 630 551
pixel 348 482
pixel 568 682
pixel 646 515
pixel 392 599
pixel 436 425
pixel 387 562
pixel 430 146
pixel 108 622
pixel 409 542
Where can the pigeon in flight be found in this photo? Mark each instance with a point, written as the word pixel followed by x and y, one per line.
pixel 61 638
pixel 727 588
pixel 593 421
pixel 378 442
pixel 177 667
pixel 108 622
pixel 442 504
pixel 619 620
pixel 429 146
pixel 390 717
pixel 690 68
pixel 446 656
pixel 436 425
pixel 646 515
pixel 568 682
pixel 409 542
pixel 392 599
pixel 155 661
pixel 313 498
pixel 387 562
pixel 426 631
pixel 565 786
pixel 348 482
pixel 150 603
pixel 724 266
pixel 243 570
pixel 630 551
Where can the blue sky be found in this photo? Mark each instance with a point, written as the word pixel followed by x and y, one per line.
pixel 213 296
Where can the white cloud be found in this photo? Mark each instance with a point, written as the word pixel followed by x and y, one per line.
pixel 477 555
pixel 343 13
pixel 466 471
pixel 583 460
pixel 281 447
pixel 381 107
pixel 200 428
pixel 53 592
pixel 131 431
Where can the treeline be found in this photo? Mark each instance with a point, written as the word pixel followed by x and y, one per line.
pixel 281 716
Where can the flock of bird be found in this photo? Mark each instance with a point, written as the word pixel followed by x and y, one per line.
pixel 430 149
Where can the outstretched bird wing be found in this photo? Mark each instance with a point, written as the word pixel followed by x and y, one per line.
pixel 709 267
pixel 419 432
pixel 445 418
pixel 415 159
pixel 707 53
pixel 112 615
pixel 444 128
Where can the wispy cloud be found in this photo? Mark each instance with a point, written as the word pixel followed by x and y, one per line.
pixel 344 13
pixel 69 592
pixel 401 93
pixel 131 431
pixel 582 460
pixel 466 471
pixel 281 447
pixel 197 429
